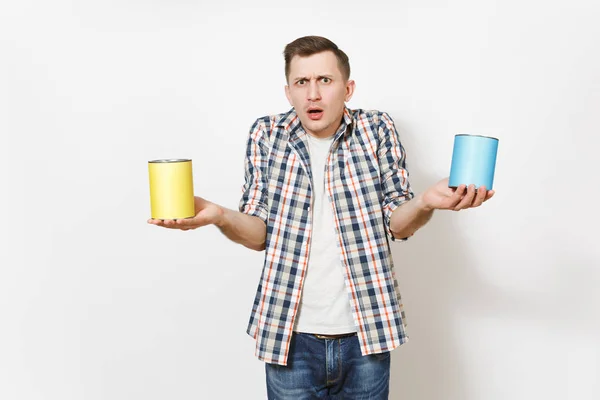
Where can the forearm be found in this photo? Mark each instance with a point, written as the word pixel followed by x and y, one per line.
pixel 409 217
pixel 244 229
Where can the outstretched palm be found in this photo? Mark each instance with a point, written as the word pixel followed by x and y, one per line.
pixel 440 196
pixel 206 213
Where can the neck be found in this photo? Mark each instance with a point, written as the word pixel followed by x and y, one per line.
pixel 329 131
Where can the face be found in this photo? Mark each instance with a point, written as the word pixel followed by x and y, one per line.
pixel 318 91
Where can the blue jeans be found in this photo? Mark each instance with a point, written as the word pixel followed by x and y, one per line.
pixel 328 369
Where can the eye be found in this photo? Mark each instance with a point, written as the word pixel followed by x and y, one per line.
pixel 301 82
pixel 325 80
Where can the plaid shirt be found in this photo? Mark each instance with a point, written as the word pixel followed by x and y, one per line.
pixel 366 180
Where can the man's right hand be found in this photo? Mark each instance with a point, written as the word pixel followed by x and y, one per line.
pixel 207 213
pixel 247 230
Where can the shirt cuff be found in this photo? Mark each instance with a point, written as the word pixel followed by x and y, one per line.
pixel 387 215
pixel 256 210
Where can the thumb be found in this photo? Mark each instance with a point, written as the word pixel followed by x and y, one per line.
pixel 199 202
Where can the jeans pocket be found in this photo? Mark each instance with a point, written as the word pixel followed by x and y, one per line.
pixel 381 356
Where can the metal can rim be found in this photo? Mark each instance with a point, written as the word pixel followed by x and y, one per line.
pixel 170 160
pixel 469 134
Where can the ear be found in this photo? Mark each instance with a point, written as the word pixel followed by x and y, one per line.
pixel 287 94
pixel 350 85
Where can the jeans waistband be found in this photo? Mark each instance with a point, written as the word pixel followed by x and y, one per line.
pixel 338 336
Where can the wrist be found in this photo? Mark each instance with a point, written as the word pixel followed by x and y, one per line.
pixel 220 219
pixel 422 204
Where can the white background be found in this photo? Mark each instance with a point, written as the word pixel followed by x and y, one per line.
pixel 503 302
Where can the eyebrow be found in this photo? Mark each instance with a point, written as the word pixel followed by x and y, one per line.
pixel 299 78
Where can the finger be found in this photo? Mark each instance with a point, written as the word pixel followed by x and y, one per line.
pixel 479 197
pixel 195 222
pixel 449 191
pixel 489 195
pixel 168 223
pixel 181 224
pixel 156 222
pixel 467 200
pixel 184 223
pixel 176 223
pixel 200 203
pixel 457 196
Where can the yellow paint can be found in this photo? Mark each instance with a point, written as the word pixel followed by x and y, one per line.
pixel 171 189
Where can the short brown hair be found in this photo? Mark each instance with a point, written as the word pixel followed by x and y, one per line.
pixel 309 45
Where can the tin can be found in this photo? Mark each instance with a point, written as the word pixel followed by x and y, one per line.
pixel 171 189
pixel 473 161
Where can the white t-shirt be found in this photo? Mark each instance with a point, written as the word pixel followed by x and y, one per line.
pixel 325 303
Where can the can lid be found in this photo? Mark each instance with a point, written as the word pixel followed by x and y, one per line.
pixel 170 160
pixel 468 134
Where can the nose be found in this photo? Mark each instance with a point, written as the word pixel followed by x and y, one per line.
pixel 313 91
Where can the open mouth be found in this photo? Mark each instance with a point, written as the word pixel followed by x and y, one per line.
pixel 315 113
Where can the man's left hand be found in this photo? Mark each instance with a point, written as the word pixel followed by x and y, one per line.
pixel 442 197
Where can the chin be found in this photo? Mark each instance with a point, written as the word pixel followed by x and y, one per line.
pixel 316 126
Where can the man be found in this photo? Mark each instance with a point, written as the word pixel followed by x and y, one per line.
pixel 326 190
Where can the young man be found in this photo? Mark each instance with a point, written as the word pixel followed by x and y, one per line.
pixel 326 190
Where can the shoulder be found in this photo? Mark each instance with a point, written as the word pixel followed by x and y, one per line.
pixel 267 123
pixel 373 117
pixel 373 122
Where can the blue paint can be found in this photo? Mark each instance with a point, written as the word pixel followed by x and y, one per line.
pixel 473 161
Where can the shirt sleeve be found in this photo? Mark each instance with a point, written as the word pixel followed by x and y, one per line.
pixel 394 175
pixel 254 199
